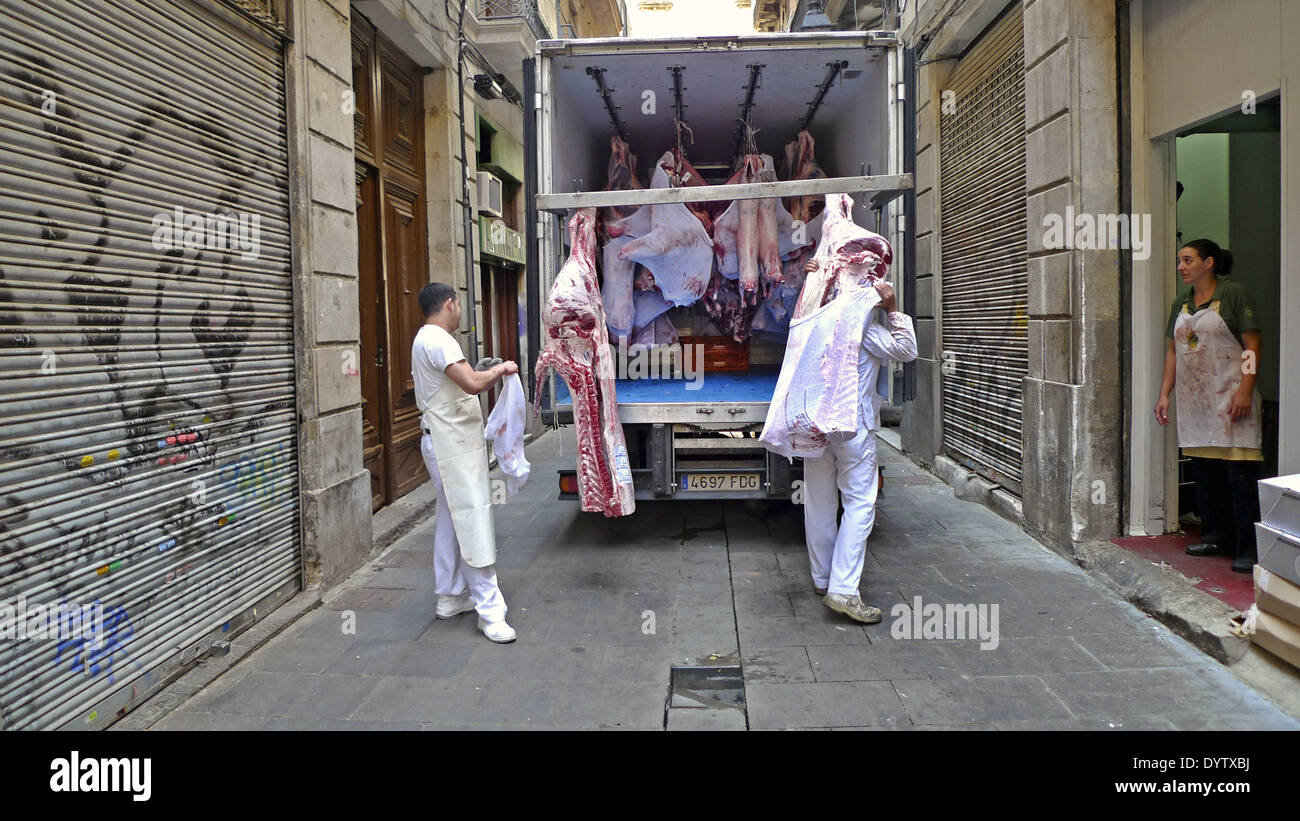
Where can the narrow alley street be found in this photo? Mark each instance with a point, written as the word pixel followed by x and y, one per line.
pixel 605 608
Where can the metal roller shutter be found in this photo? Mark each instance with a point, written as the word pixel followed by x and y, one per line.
pixel 984 284
pixel 148 438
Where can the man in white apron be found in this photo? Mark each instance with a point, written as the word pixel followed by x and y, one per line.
pixel 1212 359
pixel 846 471
pixel 455 453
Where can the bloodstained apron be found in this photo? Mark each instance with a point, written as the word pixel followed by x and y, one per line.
pixel 454 420
pixel 1209 372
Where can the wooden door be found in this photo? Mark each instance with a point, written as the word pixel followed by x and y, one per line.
pixel 392 243
pixel 489 338
pixel 500 291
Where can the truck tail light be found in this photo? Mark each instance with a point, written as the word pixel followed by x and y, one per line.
pixel 568 483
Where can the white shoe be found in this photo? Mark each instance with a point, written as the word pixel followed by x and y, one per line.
pixel 497 631
pixel 853 607
pixel 449 606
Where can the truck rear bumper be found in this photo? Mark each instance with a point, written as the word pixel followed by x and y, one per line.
pixel 664 476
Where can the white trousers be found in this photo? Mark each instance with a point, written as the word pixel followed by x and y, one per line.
pixel 837 553
pixel 451 575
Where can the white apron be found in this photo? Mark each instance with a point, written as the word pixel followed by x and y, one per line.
pixel 455 423
pixel 1209 371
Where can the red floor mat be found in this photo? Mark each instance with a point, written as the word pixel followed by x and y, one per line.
pixel 1215 572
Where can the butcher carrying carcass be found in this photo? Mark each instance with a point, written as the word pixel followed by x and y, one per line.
pixel 455 452
pixel 827 402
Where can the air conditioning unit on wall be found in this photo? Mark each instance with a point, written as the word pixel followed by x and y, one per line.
pixel 489 194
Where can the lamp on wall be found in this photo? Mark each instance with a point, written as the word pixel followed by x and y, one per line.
pixel 814 18
pixel 488 87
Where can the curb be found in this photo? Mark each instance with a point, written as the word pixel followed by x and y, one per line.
pixel 1167 596
pixel 1164 594
pixel 210 667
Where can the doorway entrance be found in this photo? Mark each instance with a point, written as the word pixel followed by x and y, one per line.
pixel 392 255
pixel 1229 176
pixel 500 290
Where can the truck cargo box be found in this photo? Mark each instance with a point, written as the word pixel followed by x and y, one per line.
pixel 701 441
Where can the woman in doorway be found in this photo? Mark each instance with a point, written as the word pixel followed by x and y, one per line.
pixel 1213 356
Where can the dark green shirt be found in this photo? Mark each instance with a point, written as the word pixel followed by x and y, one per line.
pixel 1235 306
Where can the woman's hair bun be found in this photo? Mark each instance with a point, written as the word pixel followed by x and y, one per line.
pixel 1208 248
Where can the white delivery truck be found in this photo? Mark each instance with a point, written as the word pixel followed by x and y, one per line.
pixel 698 438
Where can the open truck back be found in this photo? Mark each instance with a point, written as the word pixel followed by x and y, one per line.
pixel 695 435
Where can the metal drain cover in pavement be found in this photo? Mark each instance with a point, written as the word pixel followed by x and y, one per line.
pixel 707 687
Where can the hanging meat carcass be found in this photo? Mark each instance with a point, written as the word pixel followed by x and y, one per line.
pixel 681 174
pixel 771 230
pixel 622 176
pixel 735 233
pixel 650 305
pixel 800 164
pixel 576 345
pixel 816 399
pixel 730 314
pixel 677 249
pixel 773 316
pixel 660 331
pixel 753 235
pixel 846 254
pixel 618 273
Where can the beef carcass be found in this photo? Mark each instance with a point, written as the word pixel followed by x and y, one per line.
pixel 677 250
pixel 731 315
pixel 816 400
pixel 576 345
pixel 735 234
pixel 753 236
pixel 660 331
pixel 800 164
pixel 650 304
pixel 847 254
pixel 725 228
pixel 622 176
pixel 644 281
pixel 617 288
pixel 773 317
pixel 618 273
pixel 681 174
pixel 770 231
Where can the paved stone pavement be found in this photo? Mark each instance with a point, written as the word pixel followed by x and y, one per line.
pixel 605 608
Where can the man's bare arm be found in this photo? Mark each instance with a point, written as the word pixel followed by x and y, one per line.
pixel 475 382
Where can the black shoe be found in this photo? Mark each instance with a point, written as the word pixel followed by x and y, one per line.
pixel 1244 564
pixel 1209 549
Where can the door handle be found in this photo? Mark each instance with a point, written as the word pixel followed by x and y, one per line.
pixel 379 357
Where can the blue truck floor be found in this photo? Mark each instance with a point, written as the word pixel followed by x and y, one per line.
pixel 753 385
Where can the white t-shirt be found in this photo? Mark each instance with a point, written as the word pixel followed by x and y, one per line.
pixel 433 350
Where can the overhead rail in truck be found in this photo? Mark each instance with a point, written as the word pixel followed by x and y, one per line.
pixel 833 71
pixel 747 107
pixel 599 75
pixel 888 185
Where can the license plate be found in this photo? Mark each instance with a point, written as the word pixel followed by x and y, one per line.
pixel 720 481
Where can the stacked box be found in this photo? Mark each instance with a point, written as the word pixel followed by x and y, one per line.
pixel 1278 552
pixel 1279 504
pixel 1277 576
